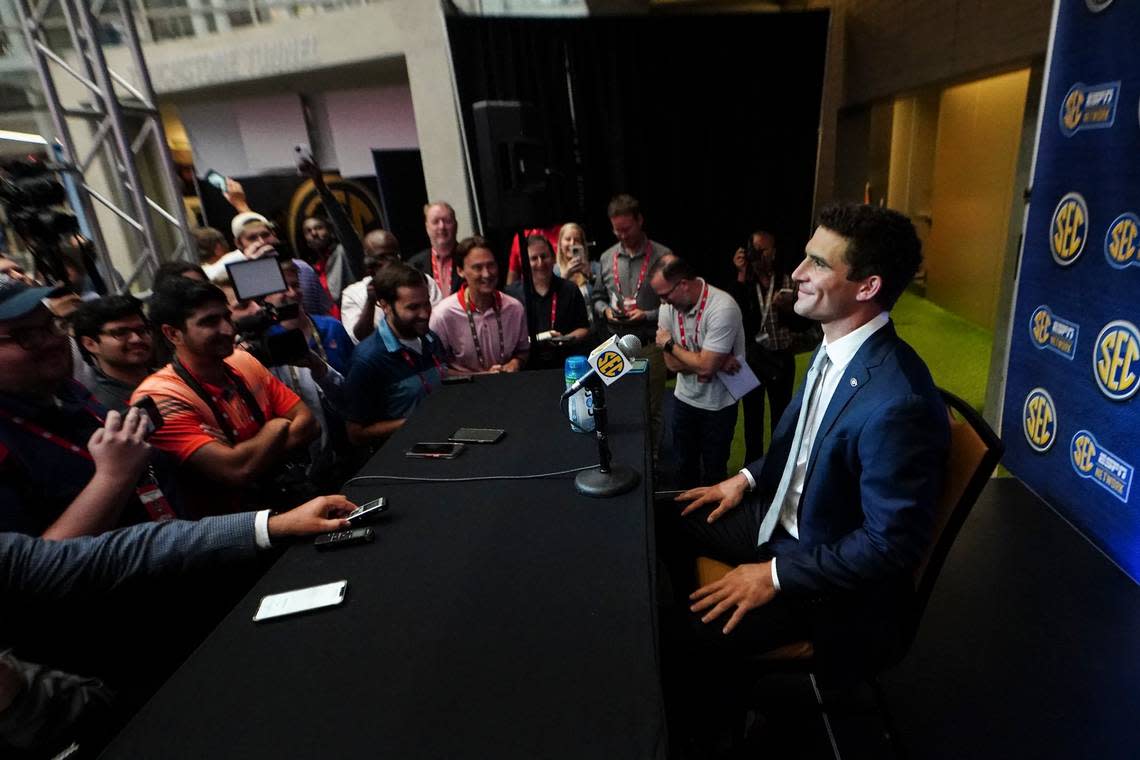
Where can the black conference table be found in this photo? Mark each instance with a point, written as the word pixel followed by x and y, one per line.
pixel 495 619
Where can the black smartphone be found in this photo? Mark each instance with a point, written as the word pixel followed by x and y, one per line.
pixel 148 405
pixel 477 435
pixel 457 379
pixel 435 450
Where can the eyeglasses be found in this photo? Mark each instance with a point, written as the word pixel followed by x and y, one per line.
pixel 665 296
pixel 123 333
pixel 35 337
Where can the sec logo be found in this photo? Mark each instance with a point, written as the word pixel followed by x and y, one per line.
pixel 1083 451
pixel 610 364
pixel 1039 420
pixel 1069 228
pixel 1116 360
pixel 1041 321
pixel 1073 110
pixel 1120 242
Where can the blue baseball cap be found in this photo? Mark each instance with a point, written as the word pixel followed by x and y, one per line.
pixel 18 300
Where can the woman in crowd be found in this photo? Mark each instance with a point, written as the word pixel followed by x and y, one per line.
pixel 573 264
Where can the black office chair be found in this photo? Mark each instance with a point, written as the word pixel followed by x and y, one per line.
pixel 975 450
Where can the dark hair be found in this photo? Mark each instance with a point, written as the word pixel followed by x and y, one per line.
pixel 89 318
pixel 674 268
pixel 179 298
pixel 539 240
pixel 879 242
pixel 174 270
pixel 466 246
pixel 395 276
pixel 623 204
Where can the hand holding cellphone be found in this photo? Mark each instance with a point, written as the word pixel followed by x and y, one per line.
pixel 216 179
pixel 150 408
pixel 374 507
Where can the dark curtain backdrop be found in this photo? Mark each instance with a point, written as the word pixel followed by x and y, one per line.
pixel 710 121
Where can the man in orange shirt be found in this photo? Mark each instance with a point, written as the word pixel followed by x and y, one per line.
pixel 229 422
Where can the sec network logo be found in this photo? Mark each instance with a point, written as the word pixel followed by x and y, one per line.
pixel 1039 420
pixel 1120 242
pixel 1089 107
pixel 1092 461
pixel 1047 330
pixel 1116 360
pixel 1068 230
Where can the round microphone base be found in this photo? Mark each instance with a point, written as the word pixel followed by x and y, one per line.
pixel 601 485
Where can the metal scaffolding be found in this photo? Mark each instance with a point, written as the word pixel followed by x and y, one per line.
pixel 114 112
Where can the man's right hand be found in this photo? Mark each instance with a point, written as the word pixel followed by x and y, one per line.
pixel 119 448
pixel 323 514
pixel 235 195
pixel 259 248
pixel 726 494
pixel 740 260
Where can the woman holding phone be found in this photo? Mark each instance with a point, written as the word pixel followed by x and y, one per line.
pixel 573 264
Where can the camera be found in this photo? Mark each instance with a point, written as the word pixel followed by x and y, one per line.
pixel 31 194
pixel 273 348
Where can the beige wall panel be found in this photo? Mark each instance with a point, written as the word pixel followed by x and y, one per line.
pixel 979 129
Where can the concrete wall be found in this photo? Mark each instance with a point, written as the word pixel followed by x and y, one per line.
pixel 353 48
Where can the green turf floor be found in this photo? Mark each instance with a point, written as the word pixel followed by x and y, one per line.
pixel 956 350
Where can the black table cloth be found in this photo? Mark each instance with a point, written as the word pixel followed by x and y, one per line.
pixel 494 619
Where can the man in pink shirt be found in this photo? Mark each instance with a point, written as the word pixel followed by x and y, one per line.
pixel 482 328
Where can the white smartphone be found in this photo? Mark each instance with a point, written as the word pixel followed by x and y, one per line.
pixel 300 600
pixel 376 506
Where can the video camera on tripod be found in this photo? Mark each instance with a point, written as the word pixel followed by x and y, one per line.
pixel 32 195
pixel 253 280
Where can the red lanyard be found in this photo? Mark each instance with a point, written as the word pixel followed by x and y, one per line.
pixel 697 325
pixel 148 491
pixel 437 273
pixel 553 309
pixel 640 277
pixel 419 373
pixel 47 435
pixel 469 310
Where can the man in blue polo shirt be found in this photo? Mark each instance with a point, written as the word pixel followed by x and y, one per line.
pixel 396 367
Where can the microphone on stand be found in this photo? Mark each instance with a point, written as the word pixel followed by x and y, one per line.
pixel 611 368
pixel 608 362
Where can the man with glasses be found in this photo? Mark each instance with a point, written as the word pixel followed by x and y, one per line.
pixel 113 332
pixel 700 332
pixel 68 467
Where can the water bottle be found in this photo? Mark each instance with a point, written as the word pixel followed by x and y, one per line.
pixel 581 404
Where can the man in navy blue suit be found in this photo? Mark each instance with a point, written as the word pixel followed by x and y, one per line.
pixel 827 531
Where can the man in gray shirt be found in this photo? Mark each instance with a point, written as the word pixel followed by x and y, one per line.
pixel 701 333
pixel 624 299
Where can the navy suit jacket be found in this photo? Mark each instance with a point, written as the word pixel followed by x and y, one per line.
pixel 873 477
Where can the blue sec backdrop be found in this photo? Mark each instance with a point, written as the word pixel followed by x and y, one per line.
pixel 1071 421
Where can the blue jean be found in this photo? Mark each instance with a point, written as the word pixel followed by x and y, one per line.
pixel 702 441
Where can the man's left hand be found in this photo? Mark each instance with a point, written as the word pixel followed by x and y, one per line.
pixel 744 588
pixel 730 365
pixel 663 337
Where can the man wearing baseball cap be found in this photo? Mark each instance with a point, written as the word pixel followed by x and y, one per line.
pixel 68 467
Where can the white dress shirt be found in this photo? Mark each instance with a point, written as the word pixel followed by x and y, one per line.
pixel 839 353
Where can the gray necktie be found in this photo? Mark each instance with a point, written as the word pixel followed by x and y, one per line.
pixel 772 516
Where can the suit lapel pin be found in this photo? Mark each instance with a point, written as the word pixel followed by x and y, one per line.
pixel 854 382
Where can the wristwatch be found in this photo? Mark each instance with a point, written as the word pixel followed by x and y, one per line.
pixel 668 347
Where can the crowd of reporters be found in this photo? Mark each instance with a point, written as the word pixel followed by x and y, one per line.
pixel 266 404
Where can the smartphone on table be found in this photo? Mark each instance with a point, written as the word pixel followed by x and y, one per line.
pixel 447 450
pixel 374 507
pixel 300 600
